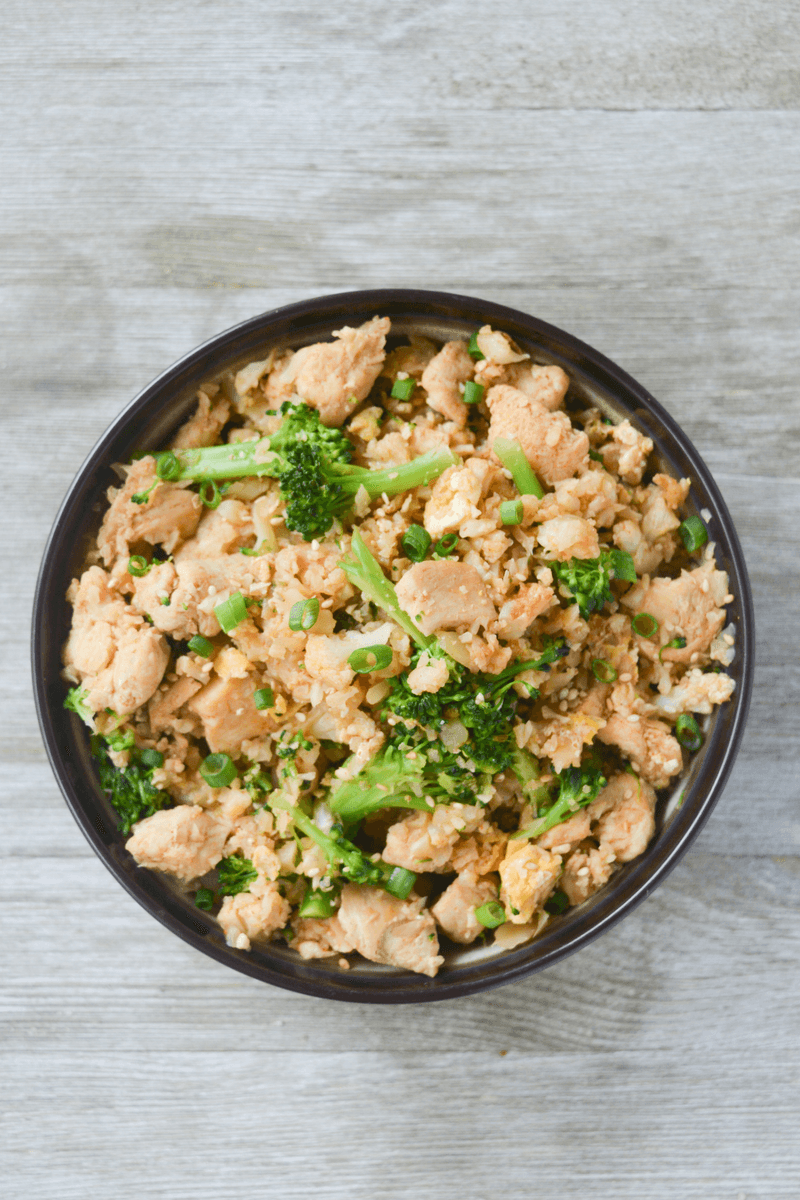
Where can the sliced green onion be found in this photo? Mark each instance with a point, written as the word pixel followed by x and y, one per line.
pixel 371 658
pixel 231 612
pixel 151 759
pixel 677 643
pixel 204 898
pixel 513 458
pixel 200 645
pixel 473 392
pixel 596 457
pixel 645 625
pixel 416 542
pixel 400 882
pixel 218 770
pixel 603 670
pixel 446 546
pixel 264 698
pixel 316 903
pixel 491 915
pixel 688 732
pixel 167 465
pixel 403 389
pixel 138 565
pixel 511 512
pixel 474 349
pixel 303 615
pixel 557 904
pixel 693 533
pixel 251 553
pixel 210 494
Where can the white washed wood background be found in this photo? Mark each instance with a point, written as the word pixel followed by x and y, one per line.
pixel 627 170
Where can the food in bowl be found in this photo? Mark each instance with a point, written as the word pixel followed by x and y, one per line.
pixel 393 645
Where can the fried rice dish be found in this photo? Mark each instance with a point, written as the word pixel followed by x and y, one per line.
pixel 394 647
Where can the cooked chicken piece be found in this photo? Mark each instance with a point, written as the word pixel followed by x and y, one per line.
pixel 454 500
pixel 622 816
pixel 429 675
pixel 585 872
pixel 562 738
pixel 319 937
pixel 411 359
pixel 528 875
pixel 253 915
pixel 697 692
pixel 547 385
pixel 204 428
pixel 647 743
pixel 229 714
pixel 164 707
pixel 441 378
pixel 554 449
pixel 168 516
pixel 387 930
pixel 424 841
pixel 688 606
pixel 569 537
pixel 248 379
pixel 185 841
pixel 627 452
pixel 445 595
pixel 566 836
pixel 497 347
pixel 518 614
pixel 454 911
pixel 334 377
pixel 480 852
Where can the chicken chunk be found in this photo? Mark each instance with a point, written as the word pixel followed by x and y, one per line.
pixel 205 426
pixel 519 613
pixel 186 841
pixel 254 915
pixel 388 930
pixel 554 449
pixel 647 743
pixel 454 500
pixel 445 595
pixel 480 852
pixel 454 911
pixel 623 816
pixel 547 385
pixel 688 606
pixel 168 516
pixel 335 376
pixel 627 452
pixel 441 378
pixel 585 872
pixel 228 712
pixel 569 537
pixel 566 836
pixel 528 875
pixel 425 841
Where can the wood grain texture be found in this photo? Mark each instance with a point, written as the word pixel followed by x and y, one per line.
pixel 627 171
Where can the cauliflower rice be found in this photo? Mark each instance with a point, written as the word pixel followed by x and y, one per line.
pixel 408 656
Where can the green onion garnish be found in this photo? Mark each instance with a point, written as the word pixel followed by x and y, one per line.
pixel 474 349
pixel 645 625
pixel 200 645
pixel 218 770
pixel 210 494
pixel 167 465
pixel 511 512
pixel 204 898
pixel 491 915
pixel 596 458
pixel 138 565
pixel 688 732
pixel 513 458
pixel 370 658
pixel 446 546
pixel 264 698
pixel 603 670
pixel 248 551
pixel 303 615
pixel 473 392
pixel 231 612
pixel 557 904
pixel 416 542
pixel 677 643
pixel 316 903
pixel 403 389
pixel 693 533
pixel 151 759
pixel 400 882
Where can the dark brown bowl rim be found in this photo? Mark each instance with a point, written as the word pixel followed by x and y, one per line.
pixel 61 731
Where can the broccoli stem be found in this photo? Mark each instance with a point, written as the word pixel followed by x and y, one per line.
pixel 390 481
pixel 364 571
pixel 513 458
pixel 234 461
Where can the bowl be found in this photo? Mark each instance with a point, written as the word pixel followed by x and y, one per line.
pixel 148 421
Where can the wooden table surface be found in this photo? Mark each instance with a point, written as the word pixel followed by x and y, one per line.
pixel 627 171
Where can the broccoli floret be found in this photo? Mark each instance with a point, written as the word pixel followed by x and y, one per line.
pixel 235 873
pixel 312 465
pixel 131 790
pixel 76 702
pixel 344 857
pixel 589 579
pixel 577 788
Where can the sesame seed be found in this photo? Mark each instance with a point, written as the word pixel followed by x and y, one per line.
pixel 562 848
pixel 583 871
pixel 728 599
pixel 704 586
pixel 212 591
pixel 727 639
